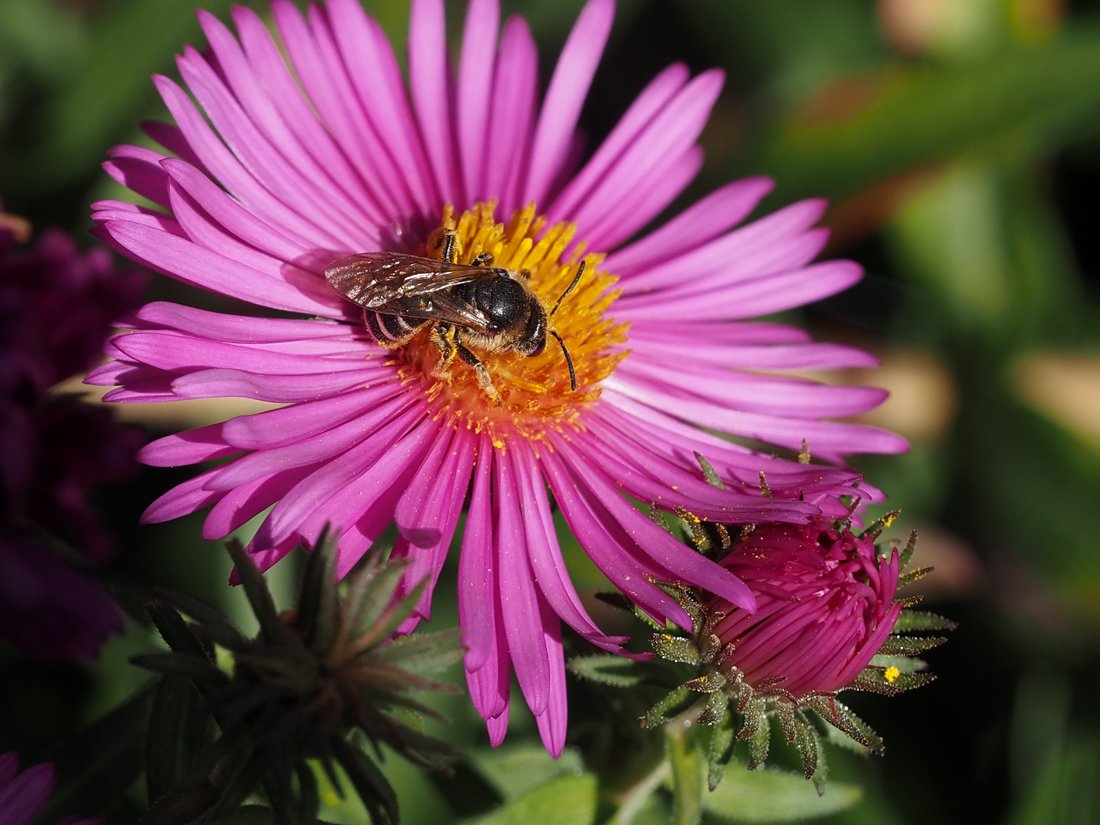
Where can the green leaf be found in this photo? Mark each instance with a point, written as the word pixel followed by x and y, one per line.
pixel 924 114
pixel 608 669
pixel 771 795
pixel 106 88
pixel 98 765
pixel 515 770
pixel 565 800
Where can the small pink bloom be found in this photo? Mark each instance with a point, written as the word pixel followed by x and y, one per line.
pixel 275 166
pixel 824 606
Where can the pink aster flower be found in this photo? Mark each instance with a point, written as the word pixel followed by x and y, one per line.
pixel 277 166
pixel 24 793
pixel 824 607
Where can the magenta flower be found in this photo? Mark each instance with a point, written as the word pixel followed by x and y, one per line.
pixel 824 606
pixel 272 171
pixel 23 793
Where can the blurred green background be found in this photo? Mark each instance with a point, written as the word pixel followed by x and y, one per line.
pixel 959 144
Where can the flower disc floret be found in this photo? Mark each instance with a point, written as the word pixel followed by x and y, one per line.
pixel 534 392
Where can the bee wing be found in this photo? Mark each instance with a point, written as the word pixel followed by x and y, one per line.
pixel 441 306
pixel 376 279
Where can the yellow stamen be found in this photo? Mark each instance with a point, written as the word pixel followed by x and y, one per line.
pixel 533 392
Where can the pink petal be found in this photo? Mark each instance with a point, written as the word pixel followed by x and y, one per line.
pixel 278 389
pixel 138 169
pixel 515 87
pixel 519 601
pixel 475 78
pixel 376 78
pixel 641 113
pixel 324 77
pixel 695 226
pixel 545 556
pixel 280 88
pixel 430 82
pixel 188 447
pixel 190 263
pixel 568 88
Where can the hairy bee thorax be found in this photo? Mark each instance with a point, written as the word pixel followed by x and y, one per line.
pixel 521 386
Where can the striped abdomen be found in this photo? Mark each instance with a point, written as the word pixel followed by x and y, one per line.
pixel 391 330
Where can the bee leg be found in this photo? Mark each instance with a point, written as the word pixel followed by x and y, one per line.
pixel 483 377
pixel 482 259
pixel 443 336
pixel 445 242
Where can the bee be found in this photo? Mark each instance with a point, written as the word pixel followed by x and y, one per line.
pixel 470 306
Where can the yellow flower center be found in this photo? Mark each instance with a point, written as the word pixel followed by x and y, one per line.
pixel 526 393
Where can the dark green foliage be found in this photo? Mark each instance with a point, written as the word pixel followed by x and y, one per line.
pixel 321 683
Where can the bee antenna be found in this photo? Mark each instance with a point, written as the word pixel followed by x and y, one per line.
pixel 568 289
pixel 568 358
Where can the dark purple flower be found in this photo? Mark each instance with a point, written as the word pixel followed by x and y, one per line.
pixel 23 793
pixel 56 307
pixel 285 155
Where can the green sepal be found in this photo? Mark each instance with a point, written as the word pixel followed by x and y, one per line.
pixel 875 529
pixel 872 680
pixel 424 653
pixel 808 743
pixel 843 719
pixel 608 669
pixel 198 670
pixel 172 734
pixel 672 705
pixel 719 749
pixel 207 622
pixel 376 792
pixel 754 715
pixel 175 631
pixel 318 598
pixel 785 713
pixel 259 597
pixel 369 598
pixel 675 648
pixel 708 683
pixel 909 645
pixel 715 710
pixel 759 744
pixel 709 473
pixel 911 576
pixel 921 621
pixel 616 600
